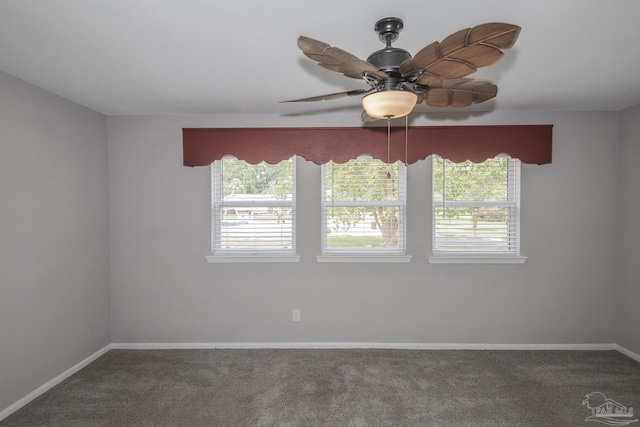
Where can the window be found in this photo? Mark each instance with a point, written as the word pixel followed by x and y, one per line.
pixel 253 207
pixel 476 207
pixel 363 207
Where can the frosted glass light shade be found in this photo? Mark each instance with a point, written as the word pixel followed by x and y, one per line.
pixel 389 103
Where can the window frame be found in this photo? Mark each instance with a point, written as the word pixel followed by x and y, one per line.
pixel 393 255
pixel 219 254
pixel 511 256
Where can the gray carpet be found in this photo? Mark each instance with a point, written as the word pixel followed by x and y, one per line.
pixel 336 388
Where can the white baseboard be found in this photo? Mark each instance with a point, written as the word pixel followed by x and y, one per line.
pixel 629 353
pixel 362 345
pixel 50 384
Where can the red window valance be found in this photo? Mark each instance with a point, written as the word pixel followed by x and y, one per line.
pixel 529 143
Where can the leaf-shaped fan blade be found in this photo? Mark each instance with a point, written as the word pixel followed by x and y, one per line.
pixel 462 53
pixel 337 59
pixel 459 93
pixel 330 96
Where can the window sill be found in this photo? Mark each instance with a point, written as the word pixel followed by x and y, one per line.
pixel 364 258
pixel 231 258
pixel 477 259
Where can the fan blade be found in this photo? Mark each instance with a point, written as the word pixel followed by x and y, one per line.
pixel 459 93
pixel 463 52
pixel 338 60
pixel 330 96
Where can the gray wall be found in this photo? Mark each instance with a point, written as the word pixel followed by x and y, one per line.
pixel 628 295
pixel 79 214
pixel 54 276
pixel 163 290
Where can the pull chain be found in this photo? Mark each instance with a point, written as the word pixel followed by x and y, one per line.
pixel 406 140
pixel 388 145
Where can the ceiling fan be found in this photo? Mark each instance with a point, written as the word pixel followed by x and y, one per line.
pixel 434 76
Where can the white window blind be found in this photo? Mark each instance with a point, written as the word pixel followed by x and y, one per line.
pixel 476 206
pixel 253 207
pixel 363 207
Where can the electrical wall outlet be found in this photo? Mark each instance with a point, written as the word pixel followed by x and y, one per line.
pixel 295 315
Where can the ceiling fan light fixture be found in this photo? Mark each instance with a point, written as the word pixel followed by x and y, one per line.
pixel 389 103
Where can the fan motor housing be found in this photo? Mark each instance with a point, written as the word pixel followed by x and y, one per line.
pixel 389 59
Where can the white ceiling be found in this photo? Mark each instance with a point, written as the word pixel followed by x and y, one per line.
pixel 142 57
